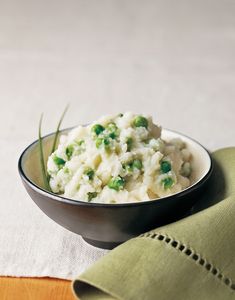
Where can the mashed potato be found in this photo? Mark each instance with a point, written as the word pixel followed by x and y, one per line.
pixel 118 159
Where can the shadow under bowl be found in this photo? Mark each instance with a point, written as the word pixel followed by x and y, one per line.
pixel 108 225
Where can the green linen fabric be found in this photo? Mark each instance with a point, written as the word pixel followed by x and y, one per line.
pixel 191 259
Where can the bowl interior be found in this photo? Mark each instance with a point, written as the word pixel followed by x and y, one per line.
pixel 30 160
pixel 201 161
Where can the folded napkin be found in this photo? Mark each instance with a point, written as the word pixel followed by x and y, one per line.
pixel 192 259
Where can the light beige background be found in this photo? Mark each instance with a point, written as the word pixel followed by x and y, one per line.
pixel 172 59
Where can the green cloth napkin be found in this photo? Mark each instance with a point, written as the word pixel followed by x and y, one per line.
pixel 191 259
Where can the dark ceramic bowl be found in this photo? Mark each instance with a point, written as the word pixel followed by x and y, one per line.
pixel 107 225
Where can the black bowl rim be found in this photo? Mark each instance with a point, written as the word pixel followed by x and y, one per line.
pixel 60 198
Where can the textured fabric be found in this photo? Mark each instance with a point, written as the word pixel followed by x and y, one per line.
pixel 189 259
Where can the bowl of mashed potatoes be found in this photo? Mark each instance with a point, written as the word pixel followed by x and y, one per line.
pixel 116 177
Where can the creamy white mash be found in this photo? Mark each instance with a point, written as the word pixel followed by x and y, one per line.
pixel 118 159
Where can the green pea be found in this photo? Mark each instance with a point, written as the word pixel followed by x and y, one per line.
pixel 116 183
pixel 120 115
pixel 69 151
pixel 97 129
pixel 106 142
pixel 140 121
pixel 137 163
pixel 59 161
pixel 112 135
pixel 113 129
pixel 90 173
pixel 165 166
pixel 129 143
pixel 91 195
pixel 167 182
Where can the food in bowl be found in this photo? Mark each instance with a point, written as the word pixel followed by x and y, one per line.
pixel 119 159
pixel 107 225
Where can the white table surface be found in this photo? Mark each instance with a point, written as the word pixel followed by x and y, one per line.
pixel 172 59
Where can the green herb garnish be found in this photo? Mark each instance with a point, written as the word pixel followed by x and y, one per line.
pixel 137 163
pixel 129 143
pixel 106 143
pixel 91 195
pixel 80 142
pixel 127 168
pixel 41 154
pixel 58 129
pixel 66 170
pixel 97 129
pixel 167 183
pixel 90 173
pixel 141 121
pixel 98 142
pixel 69 151
pixel 59 161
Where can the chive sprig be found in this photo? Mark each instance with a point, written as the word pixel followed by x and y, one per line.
pixel 45 175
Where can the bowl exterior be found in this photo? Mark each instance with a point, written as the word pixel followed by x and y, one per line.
pixel 106 226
